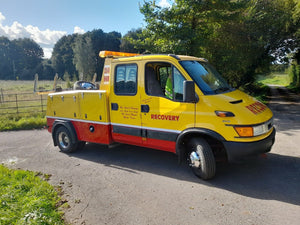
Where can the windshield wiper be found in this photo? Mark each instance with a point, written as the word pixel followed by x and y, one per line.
pixel 221 89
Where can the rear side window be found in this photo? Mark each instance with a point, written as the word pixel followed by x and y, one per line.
pixel 126 79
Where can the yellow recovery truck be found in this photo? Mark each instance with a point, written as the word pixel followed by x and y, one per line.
pixel 169 102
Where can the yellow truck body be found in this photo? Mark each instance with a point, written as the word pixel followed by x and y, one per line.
pixel 173 103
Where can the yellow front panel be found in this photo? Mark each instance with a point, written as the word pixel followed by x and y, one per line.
pixel 239 104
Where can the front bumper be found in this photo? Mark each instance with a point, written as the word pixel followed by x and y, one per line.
pixel 240 150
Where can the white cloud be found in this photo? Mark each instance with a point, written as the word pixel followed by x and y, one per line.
pixel 47 52
pixel 2 18
pixel 164 4
pixel 45 38
pixel 78 30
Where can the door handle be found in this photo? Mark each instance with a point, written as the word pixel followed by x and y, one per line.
pixel 145 108
pixel 114 106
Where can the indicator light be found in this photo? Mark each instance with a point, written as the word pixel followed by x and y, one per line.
pixel 244 131
pixel 224 114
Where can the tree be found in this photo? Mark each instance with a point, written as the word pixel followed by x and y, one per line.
pixel 28 58
pixel 98 38
pixel 274 27
pixel 239 37
pixel 62 55
pixel 131 41
pixel 113 41
pixel 20 58
pixel 7 64
pixel 271 23
pixel 103 41
pixel 198 28
pixel 296 56
pixel 84 57
pixel 48 71
pixel 186 27
pixel 79 53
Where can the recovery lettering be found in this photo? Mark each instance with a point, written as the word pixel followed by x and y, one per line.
pixel 164 117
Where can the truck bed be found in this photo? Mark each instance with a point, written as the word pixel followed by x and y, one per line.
pixel 86 109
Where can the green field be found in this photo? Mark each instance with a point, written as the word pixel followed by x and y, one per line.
pixel 21 86
pixel 20 107
pixel 18 97
pixel 281 79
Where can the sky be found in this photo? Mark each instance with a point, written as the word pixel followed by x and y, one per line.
pixel 46 21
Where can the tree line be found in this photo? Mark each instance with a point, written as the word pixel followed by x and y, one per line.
pixel 239 37
pixel 19 58
pixel 74 56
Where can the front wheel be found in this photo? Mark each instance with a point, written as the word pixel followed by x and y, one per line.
pixel 64 140
pixel 201 159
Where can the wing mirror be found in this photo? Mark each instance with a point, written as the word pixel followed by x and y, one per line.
pixel 189 94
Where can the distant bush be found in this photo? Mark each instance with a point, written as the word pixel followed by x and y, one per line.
pixel 294 74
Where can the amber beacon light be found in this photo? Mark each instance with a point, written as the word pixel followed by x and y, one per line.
pixel 104 54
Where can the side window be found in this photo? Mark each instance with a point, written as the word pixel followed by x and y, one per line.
pixel 178 85
pixel 163 79
pixel 126 79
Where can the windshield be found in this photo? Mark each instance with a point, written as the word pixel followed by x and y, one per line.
pixel 206 77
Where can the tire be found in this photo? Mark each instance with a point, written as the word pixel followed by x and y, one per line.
pixel 201 159
pixel 64 140
pixel 80 145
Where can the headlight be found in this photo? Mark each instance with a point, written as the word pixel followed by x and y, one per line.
pixel 261 129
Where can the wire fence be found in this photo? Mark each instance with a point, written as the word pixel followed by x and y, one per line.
pixel 22 103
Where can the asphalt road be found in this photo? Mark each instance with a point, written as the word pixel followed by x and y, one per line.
pixel 133 185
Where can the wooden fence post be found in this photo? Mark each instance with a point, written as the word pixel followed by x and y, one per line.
pixel 42 103
pixel 17 104
pixel 1 96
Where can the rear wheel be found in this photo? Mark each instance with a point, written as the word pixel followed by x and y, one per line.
pixel 64 140
pixel 201 159
pixel 81 145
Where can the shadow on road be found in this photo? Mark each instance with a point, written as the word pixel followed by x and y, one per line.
pixel 286 109
pixel 276 177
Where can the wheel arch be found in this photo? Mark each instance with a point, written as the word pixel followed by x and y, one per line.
pixel 209 135
pixel 66 124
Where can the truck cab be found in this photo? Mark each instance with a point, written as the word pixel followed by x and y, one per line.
pixel 174 103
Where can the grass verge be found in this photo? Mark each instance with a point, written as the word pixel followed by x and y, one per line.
pixel 27 199
pixel 260 89
pixel 293 88
pixel 281 79
pixel 25 122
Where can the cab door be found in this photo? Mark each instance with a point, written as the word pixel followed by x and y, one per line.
pixel 125 104
pixel 164 114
